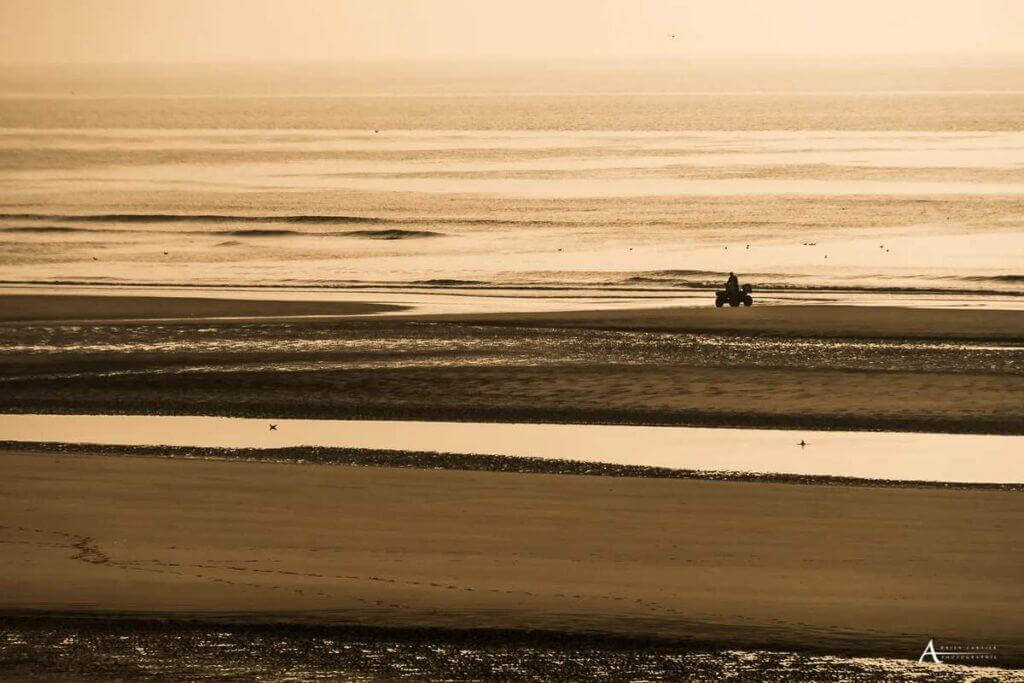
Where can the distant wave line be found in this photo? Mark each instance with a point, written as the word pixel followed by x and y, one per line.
pixel 392 234
pixel 313 219
pixel 53 228
pixel 189 218
pixel 494 94
pixel 384 234
pixel 441 284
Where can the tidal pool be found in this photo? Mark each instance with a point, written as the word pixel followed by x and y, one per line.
pixel 966 458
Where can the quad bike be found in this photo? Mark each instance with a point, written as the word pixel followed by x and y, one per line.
pixel 742 296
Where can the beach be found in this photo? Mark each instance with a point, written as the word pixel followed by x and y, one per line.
pixel 813 367
pixel 386 541
pixel 809 320
pixel 755 565
pixel 29 307
pixel 801 320
pixel 376 371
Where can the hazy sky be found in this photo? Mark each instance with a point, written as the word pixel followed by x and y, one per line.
pixel 285 30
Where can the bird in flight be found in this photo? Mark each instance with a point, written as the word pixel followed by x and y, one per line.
pixel 273 428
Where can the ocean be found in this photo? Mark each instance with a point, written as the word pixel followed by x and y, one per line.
pixel 551 187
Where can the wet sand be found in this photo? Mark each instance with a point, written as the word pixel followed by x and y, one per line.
pixel 597 394
pixel 480 462
pixel 53 307
pixel 119 648
pixel 852 570
pixel 813 567
pixel 879 322
pixel 757 367
pixel 808 320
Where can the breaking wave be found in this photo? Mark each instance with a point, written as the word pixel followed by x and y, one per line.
pixel 258 233
pixel 994 278
pixel 392 234
pixel 51 229
pixel 451 282
pixel 190 218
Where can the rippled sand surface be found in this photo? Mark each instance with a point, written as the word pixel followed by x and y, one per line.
pixel 87 649
pixel 560 368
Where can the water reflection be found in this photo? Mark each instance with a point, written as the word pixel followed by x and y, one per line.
pixel 112 650
pixel 872 455
pixel 353 345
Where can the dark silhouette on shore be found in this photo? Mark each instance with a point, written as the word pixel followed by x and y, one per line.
pixel 734 294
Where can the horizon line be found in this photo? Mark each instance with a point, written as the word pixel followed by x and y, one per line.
pixel 562 59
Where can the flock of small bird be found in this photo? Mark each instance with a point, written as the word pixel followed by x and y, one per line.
pixel 806 244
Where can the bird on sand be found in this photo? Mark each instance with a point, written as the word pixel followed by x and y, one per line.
pixel 802 443
pixel 273 428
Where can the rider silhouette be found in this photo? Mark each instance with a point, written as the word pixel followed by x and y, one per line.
pixel 732 285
